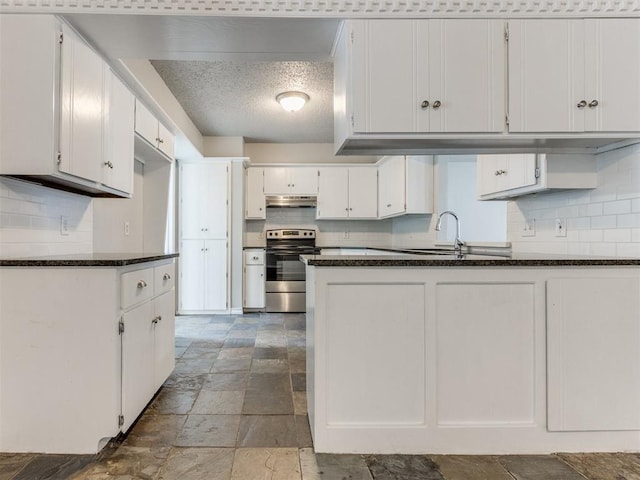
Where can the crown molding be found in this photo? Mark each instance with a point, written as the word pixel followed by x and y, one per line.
pixel 337 8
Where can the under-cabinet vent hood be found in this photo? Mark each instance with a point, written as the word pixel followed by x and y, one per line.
pixel 291 201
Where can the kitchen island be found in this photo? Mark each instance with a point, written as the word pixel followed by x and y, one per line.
pixel 85 342
pixel 473 354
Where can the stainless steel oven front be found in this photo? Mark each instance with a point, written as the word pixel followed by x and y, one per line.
pixel 285 285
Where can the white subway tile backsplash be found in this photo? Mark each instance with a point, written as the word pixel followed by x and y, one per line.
pixel 617 235
pixel 628 250
pixel 631 220
pixel 605 221
pixel 617 207
pixel 591 235
pixel 603 249
pixel 591 210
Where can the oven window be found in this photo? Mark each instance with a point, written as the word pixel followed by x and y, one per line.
pixel 285 267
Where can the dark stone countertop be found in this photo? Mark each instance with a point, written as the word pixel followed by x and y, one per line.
pixel 87 260
pixel 467 260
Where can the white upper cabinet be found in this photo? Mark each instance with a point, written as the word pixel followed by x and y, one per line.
pixel 405 185
pixel 56 96
pixel 502 176
pixel 574 75
pixel 290 181
pixel 347 192
pixel 203 198
pixel 424 76
pixel 157 136
pixel 255 205
pixel 117 165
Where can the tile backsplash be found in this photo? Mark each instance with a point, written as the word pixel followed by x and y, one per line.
pixel 30 221
pixel 602 221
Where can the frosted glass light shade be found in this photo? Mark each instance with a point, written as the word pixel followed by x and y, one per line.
pixel 292 101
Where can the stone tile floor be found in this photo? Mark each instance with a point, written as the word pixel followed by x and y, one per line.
pixel 235 409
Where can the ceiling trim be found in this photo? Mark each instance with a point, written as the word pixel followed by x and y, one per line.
pixel 337 8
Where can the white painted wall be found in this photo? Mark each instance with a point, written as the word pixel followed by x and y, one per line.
pixel 110 215
pixel 299 153
pixel 30 220
pixel 602 221
pixel 223 146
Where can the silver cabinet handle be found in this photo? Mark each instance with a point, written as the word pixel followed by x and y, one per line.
pixel 156 319
pixel 142 284
pixel 424 104
pixel 593 103
pixel 388 204
pixel 166 276
pixel 255 258
pixel 159 140
pixel 437 104
pixel 500 172
pixel 108 164
pixel 582 104
pixel 350 209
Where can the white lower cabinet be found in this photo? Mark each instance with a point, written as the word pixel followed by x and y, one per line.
pixel 203 275
pixel 254 278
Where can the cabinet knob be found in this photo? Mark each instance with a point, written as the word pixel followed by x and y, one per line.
pixel 166 276
pixel 255 258
pixel 159 140
pixel 436 105
pixel 108 164
pixel 593 103
pixel 425 104
pixel 500 172
pixel 388 205
pixel 582 104
pixel 350 209
pixel 260 209
pixel 142 284
pixel 293 184
pixel 346 209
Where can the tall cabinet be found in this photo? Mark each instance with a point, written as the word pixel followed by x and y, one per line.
pixel 204 236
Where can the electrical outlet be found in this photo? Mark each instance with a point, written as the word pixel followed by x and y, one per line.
pixel 529 229
pixel 64 225
pixel 127 229
pixel 346 235
pixel 561 227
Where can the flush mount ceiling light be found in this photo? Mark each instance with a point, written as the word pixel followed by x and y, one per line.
pixel 292 101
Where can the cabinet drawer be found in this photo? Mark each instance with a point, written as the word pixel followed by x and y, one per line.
pixel 254 257
pixel 163 278
pixel 136 287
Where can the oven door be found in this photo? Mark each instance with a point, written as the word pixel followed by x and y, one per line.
pixel 285 266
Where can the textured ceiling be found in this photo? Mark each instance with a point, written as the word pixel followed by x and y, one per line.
pixel 235 98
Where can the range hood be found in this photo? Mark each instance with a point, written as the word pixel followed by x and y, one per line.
pixel 290 201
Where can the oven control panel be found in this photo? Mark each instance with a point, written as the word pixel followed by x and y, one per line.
pixel 290 234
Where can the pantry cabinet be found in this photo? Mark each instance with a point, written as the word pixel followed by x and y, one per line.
pixel 405 185
pixel 347 192
pixel 255 204
pixel 573 75
pixel 56 99
pixel 290 181
pixel 502 176
pixel 204 214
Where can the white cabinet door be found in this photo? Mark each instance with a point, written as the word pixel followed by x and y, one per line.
pixel 255 206
pixel 612 67
pixel 82 109
pixel 363 192
pixel 203 196
pixel 215 275
pixel 593 354
pixel 276 181
pixel 254 286
pixel 137 362
pixel 333 193
pixel 304 181
pixel 391 186
pixel 165 141
pixel 461 73
pixel 117 166
pixel 192 268
pixel 501 172
pixel 163 338
pixel 146 124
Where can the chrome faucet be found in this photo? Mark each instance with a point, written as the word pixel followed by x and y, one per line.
pixel 457 244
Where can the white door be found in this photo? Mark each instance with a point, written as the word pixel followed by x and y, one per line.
pixel 546 76
pixel 82 109
pixel 384 77
pixel 391 186
pixel 255 206
pixel 137 362
pixel 254 286
pixel 461 72
pixel 164 338
pixel 363 192
pixel 333 193
pixel 612 75
pixel 192 268
pixel 117 166
pixel 215 275
pixel 304 181
pixel 276 181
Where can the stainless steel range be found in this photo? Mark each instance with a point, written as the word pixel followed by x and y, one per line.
pixel 286 286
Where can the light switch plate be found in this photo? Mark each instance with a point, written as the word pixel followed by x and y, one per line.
pixel 561 227
pixel 64 225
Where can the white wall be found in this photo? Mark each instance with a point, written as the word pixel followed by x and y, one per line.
pixel 602 221
pixel 299 153
pixel 110 215
pixel 30 221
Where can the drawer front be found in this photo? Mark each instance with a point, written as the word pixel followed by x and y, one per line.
pixel 136 287
pixel 163 278
pixel 254 257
